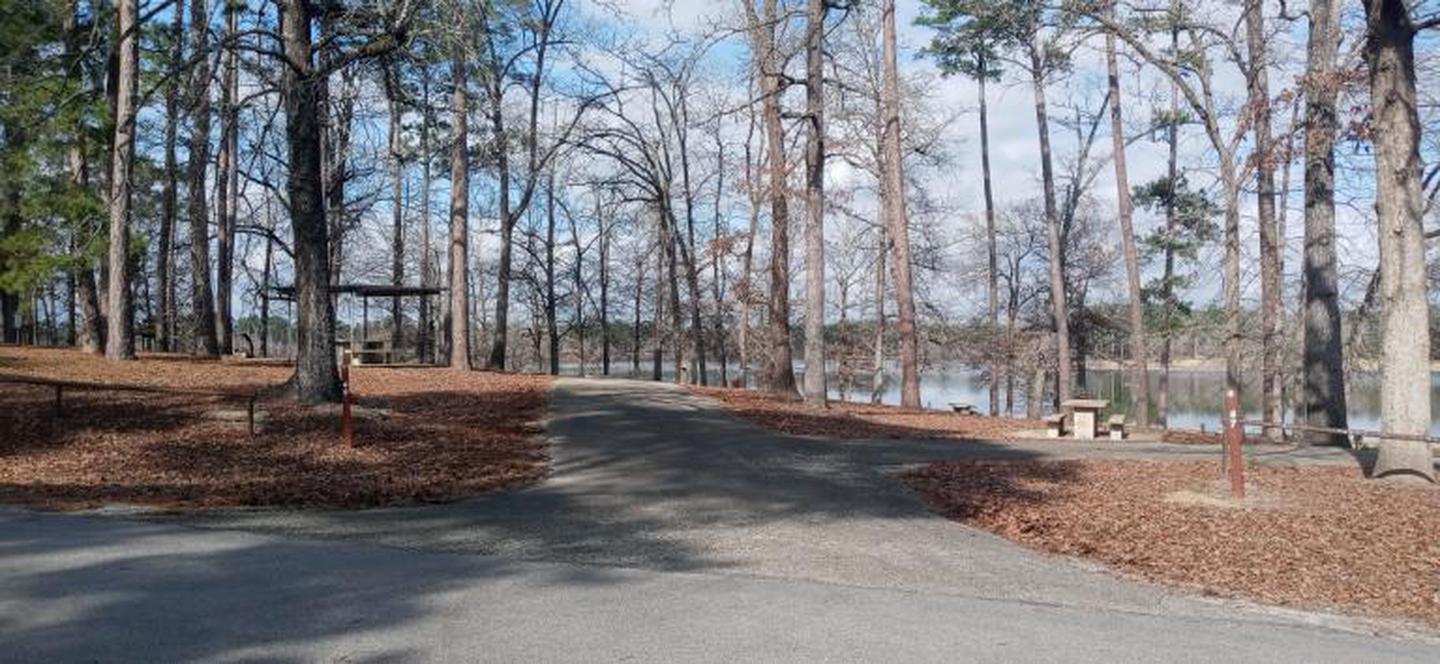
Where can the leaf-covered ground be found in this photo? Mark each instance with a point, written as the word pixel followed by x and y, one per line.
pixel 1318 538
pixel 856 420
pixel 444 435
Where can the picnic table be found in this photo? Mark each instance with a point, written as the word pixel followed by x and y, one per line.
pixel 1084 414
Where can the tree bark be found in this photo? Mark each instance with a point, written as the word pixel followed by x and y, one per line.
pixel 993 271
pixel 814 381
pixel 227 179
pixel 896 219
pixel 604 289
pixel 459 321
pixel 1059 308
pixel 1139 343
pixel 120 336
pixel 1271 383
pixel 426 342
pixel 552 325
pixel 1235 331
pixel 169 197
pixel 1323 400
pixel 202 300
pixel 90 334
pixel 397 206
pixel 780 372
pixel 316 378
pixel 1400 205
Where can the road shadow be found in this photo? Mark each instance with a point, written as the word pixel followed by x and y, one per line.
pixel 654 477
pixel 104 589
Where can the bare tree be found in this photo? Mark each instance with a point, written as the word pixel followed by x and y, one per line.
pixel 1323 399
pixel 227 180
pixel 1263 157
pixel 1140 345
pixel 458 320
pixel 814 388
pixel 202 298
pixel 120 337
pixel 768 64
pixel 1400 205
pixel 895 215
pixel 169 201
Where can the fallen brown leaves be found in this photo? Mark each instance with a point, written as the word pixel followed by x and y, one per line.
pixel 1320 538
pixel 855 420
pixel 448 434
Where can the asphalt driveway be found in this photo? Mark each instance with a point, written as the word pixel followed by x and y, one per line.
pixel 669 531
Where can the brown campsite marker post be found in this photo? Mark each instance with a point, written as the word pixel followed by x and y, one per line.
pixel 1234 437
pixel 347 427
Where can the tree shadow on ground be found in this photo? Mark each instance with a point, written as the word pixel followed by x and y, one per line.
pixel 645 478
pixel 122 591
pixel 657 479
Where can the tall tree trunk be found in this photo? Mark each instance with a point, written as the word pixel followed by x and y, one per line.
pixel 120 336
pixel 671 240
pixel 635 326
pixel 1167 282
pixel 579 285
pixel 91 332
pixel 202 301
pixel 745 290
pixel 426 343
pixel 814 388
pixel 459 321
pixel 896 217
pixel 717 273
pixel 780 372
pixel 498 340
pixel 877 375
pixel 265 297
pixel 604 289
pixel 1235 330
pixel 169 197
pixel 1271 383
pixel 1323 400
pixel 552 326
pixel 397 207
pixel 1140 345
pixel 1060 310
pixel 316 378
pixel 993 270
pixel 227 179
pixel 1400 204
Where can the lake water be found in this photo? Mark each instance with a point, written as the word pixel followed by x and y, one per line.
pixel 1197 398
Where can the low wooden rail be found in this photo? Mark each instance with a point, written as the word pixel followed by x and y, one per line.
pixel 1352 434
pixel 61 385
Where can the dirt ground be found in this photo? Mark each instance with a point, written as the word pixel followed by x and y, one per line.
pixel 422 435
pixel 1315 538
pixel 856 420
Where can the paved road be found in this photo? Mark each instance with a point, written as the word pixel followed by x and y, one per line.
pixel 669 532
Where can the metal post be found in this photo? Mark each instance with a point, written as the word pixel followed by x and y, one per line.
pixel 250 414
pixel 347 427
pixel 1234 438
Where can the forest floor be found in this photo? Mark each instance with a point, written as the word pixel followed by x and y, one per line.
pixel 421 435
pixel 1311 537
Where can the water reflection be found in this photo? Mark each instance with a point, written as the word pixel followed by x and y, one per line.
pixel 1196 397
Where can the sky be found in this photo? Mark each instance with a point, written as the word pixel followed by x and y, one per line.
pixel 1014 143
